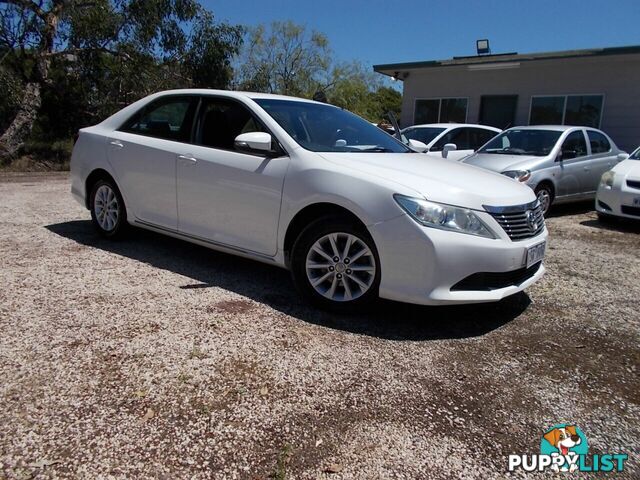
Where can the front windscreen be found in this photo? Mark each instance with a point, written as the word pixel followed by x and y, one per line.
pixel 423 134
pixel 325 128
pixel 635 155
pixel 523 142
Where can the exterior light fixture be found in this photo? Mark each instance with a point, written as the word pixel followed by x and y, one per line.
pixel 482 46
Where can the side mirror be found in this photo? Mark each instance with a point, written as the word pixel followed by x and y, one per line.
pixel 253 142
pixel 418 146
pixel 449 147
pixel 622 156
pixel 568 154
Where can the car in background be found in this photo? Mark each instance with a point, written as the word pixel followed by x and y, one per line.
pixel 619 190
pixel 352 212
pixel 452 141
pixel 560 163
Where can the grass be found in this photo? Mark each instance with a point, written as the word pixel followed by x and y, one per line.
pixel 283 460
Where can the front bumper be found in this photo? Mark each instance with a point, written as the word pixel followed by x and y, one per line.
pixel 616 198
pixel 425 265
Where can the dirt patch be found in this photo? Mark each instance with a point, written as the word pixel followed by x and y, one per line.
pixel 153 358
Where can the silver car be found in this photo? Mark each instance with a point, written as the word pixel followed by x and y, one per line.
pixel 560 163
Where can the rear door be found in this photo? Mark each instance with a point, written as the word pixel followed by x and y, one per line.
pixel 602 158
pixel 143 155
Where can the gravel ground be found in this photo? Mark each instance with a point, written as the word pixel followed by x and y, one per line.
pixel 154 358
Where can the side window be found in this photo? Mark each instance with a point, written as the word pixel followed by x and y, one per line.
pixel 599 143
pixel 479 136
pixel 575 142
pixel 168 118
pixel 221 121
pixel 459 136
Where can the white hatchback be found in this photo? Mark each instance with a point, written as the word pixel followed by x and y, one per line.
pixel 453 141
pixel 619 190
pixel 351 211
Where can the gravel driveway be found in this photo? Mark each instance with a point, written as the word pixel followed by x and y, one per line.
pixel 154 358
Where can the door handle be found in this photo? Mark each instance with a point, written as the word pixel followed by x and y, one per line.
pixel 586 169
pixel 116 143
pixel 188 158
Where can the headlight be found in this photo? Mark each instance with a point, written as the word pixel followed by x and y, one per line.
pixel 608 178
pixel 444 217
pixel 520 175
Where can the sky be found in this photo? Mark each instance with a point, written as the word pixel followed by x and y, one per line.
pixel 378 32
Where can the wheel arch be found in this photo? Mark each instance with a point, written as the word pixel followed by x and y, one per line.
pixel 92 178
pixel 309 214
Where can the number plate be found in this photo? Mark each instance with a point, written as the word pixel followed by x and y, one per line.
pixel 636 202
pixel 535 254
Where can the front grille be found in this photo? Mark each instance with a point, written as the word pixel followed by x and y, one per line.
pixel 521 221
pixel 627 210
pixel 487 281
pixel 633 184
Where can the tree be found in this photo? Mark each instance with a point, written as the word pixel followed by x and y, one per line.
pixel 285 58
pixel 108 51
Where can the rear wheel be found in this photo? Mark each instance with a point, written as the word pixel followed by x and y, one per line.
pixel 108 213
pixel 544 192
pixel 335 264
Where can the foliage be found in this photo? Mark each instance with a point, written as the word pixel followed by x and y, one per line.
pixel 288 59
pixel 88 58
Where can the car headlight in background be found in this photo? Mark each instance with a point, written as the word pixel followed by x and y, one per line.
pixel 607 179
pixel 444 217
pixel 520 175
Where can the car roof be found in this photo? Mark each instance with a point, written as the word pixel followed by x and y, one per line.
pixel 557 128
pixel 454 125
pixel 231 94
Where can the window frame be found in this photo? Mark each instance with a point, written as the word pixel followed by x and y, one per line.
pixel 439 99
pixel 278 151
pixel 591 129
pixel 162 99
pixel 585 139
pixel 564 106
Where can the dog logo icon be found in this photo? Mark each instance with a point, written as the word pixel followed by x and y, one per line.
pixel 565 441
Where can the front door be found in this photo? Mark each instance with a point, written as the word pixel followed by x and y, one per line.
pixel 571 165
pixel 498 110
pixel 224 195
pixel 143 155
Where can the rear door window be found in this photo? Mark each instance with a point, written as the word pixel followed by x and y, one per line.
pixel 599 143
pixel 169 118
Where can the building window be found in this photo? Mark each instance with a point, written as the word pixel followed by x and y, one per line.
pixel 583 110
pixel 578 110
pixel 440 110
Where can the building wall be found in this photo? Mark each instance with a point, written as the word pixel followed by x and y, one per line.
pixel 617 77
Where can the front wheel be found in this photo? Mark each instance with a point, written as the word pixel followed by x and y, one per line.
pixel 544 193
pixel 335 264
pixel 108 212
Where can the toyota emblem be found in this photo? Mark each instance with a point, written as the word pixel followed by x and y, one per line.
pixel 531 221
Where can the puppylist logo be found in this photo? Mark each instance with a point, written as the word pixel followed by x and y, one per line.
pixel 564 448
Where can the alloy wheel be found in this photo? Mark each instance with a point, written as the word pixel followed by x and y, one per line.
pixel 106 208
pixel 340 267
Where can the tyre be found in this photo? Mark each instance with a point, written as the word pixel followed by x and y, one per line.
pixel 335 264
pixel 545 195
pixel 108 212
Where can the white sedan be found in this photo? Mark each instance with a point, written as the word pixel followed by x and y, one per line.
pixel 453 141
pixel 619 190
pixel 351 211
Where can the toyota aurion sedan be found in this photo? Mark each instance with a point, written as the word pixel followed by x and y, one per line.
pixel 619 190
pixel 351 211
pixel 453 141
pixel 560 163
